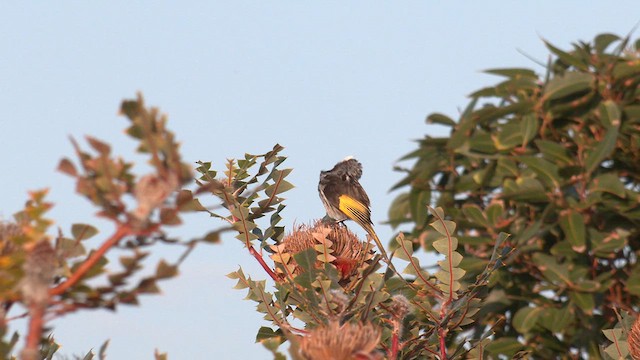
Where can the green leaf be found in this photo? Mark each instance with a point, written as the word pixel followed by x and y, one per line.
pixel 603 41
pixel 572 225
pixel 83 231
pixel 186 202
pixel 307 260
pixel 418 200
pixel 513 73
pixel 556 320
pixel 552 270
pixel 444 227
pixel 583 300
pixel 528 128
pixel 526 318
pixel 474 214
pixel 603 150
pixel 267 333
pixel 494 213
pixel 507 346
pixel 633 282
pixel 567 58
pixel 437 118
pixel 399 210
pixel 554 152
pixel 444 245
pixel 610 115
pixel 525 189
pixel 546 170
pixel 572 83
pixel 610 183
pixel 404 250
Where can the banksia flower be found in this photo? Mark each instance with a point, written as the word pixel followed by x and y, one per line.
pixel 634 339
pixel 348 341
pixel 335 244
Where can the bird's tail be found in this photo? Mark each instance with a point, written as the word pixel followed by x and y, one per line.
pixel 360 213
pixel 372 233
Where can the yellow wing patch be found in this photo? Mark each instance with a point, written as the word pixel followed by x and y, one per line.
pixel 355 210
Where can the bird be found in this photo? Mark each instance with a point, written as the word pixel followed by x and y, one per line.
pixel 345 199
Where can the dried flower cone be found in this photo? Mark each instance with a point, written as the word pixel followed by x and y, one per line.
pixel 341 342
pixel 334 243
pixel 634 339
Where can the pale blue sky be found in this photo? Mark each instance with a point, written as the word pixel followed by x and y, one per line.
pixel 325 79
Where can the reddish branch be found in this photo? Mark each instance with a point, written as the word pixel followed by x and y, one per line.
pixel 395 345
pixel 36 323
pixel 264 265
pixel 123 230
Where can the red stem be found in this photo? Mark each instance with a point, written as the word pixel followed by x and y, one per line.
pixel 36 323
pixel 395 345
pixel 123 230
pixel 443 344
pixel 264 265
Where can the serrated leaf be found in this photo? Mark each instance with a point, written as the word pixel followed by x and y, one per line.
pixel 212 237
pixel 444 245
pixel 613 335
pixel 66 166
pixel 186 202
pixel 455 260
pixel 83 231
pixel 169 216
pixel 404 250
pixel 444 227
pixel 267 333
pixel 165 270
pixel 100 146
pixel 448 278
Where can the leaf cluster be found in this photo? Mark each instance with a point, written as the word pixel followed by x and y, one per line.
pixel 554 160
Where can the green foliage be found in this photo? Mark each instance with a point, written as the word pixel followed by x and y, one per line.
pixel 554 160
pixel 52 275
